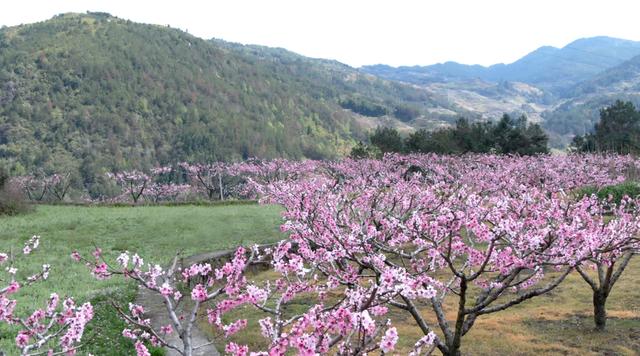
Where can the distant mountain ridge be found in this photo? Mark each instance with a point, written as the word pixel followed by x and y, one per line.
pixel 550 68
pixel 623 77
pixel 564 88
pixel 580 110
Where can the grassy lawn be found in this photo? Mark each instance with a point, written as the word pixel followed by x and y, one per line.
pixel 558 323
pixel 154 232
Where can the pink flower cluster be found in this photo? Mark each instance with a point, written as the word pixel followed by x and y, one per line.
pixel 57 328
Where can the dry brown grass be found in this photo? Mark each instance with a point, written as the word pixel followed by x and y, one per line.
pixel 559 323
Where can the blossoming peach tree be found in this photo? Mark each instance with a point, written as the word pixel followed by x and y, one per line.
pixel 616 244
pixel 183 311
pixel 386 243
pixel 38 187
pixel 56 328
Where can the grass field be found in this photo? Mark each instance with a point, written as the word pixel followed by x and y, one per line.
pixel 155 232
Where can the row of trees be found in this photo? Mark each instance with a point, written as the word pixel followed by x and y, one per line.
pixel 183 182
pixel 506 136
pixel 368 239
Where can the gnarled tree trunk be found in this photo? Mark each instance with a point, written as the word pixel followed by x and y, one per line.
pixel 600 310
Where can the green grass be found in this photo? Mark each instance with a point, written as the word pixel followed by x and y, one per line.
pixel 154 232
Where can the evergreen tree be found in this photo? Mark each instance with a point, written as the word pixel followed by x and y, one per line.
pixel 507 136
pixel 387 139
pixel 617 131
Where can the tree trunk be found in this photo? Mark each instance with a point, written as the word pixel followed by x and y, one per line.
pixel 456 340
pixel 220 186
pixel 453 349
pixel 599 310
pixel 186 342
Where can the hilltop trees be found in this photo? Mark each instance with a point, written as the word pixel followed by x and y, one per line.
pixel 387 140
pixel 617 131
pixel 516 136
pixel 363 107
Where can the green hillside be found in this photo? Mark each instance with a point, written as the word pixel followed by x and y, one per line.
pixel 93 92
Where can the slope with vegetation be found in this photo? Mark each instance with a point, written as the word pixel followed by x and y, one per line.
pixel 89 93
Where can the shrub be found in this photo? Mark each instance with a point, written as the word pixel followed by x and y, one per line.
pixel 616 191
pixel 12 200
pixel 361 151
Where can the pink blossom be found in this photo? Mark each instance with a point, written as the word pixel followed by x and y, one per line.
pixel 101 271
pixel 141 350
pixel 234 327
pixel 13 287
pixel 199 293
pixel 389 340
pixel 237 350
pixel 22 339
pixel 76 256
pixel 166 289
pixel 129 334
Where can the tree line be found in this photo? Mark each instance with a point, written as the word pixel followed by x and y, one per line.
pixel 617 131
pixel 506 136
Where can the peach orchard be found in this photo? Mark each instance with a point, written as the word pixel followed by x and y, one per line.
pixel 362 239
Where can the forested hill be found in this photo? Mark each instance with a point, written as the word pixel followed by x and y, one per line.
pixel 92 92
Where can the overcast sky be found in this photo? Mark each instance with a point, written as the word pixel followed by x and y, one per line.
pixel 399 32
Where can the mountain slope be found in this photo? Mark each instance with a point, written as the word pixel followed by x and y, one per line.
pixel 547 67
pixel 562 87
pixel 580 111
pixel 93 92
pixel 621 78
